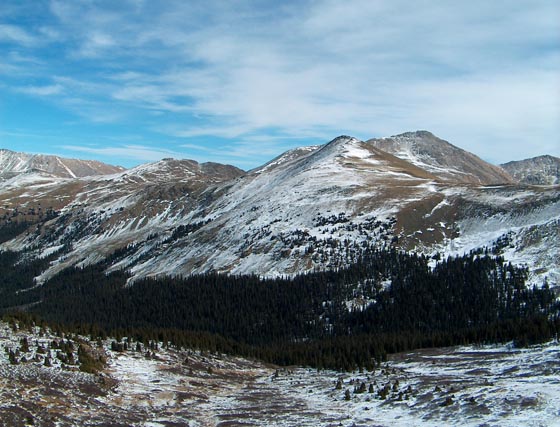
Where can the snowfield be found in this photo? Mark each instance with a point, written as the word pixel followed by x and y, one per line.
pixel 494 385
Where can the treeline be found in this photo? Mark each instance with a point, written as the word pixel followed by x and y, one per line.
pixel 388 301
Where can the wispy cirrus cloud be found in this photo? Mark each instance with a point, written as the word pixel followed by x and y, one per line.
pixel 231 76
pixel 127 152
pixel 18 35
pixel 242 153
pixel 53 89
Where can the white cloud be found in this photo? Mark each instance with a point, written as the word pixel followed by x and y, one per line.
pixel 472 72
pixel 365 67
pixel 43 90
pixel 197 147
pixel 128 152
pixel 96 44
pixel 16 34
pixel 150 96
pixel 241 153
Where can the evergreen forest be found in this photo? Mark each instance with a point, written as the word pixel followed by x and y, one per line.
pixel 388 301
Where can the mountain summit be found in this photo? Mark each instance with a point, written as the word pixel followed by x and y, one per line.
pixel 542 170
pixel 446 161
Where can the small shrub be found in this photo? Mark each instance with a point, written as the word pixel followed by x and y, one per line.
pixel 89 362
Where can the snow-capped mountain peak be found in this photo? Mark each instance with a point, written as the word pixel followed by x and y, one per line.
pixel 13 163
pixel 441 158
pixel 310 208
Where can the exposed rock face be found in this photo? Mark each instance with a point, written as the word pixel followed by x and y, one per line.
pixel 542 170
pixel 444 160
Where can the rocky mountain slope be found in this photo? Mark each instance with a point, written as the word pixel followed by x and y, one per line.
pixel 444 160
pixel 542 170
pixel 13 164
pixel 311 208
pixel 94 216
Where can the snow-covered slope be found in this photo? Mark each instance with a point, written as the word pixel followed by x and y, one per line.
pixel 542 170
pixel 13 163
pixel 523 225
pixel 98 215
pixel 439 157
pixel 285 219
pixel 497 385
pixel 314 207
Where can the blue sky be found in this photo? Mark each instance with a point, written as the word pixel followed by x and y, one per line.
pixel 239 82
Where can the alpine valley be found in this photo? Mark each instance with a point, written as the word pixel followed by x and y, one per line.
pixel 395 281
pixel 312 208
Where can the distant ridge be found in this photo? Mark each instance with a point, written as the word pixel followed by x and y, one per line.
pixel 13 163
pixel 541 170
pixel 442 159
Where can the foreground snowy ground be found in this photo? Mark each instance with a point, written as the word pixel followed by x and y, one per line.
pixel 473 386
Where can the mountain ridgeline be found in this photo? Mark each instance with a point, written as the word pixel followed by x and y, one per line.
pixel 13 164
pixel 444 160
pixel 309 209
pixel 542 170
pixel 328 255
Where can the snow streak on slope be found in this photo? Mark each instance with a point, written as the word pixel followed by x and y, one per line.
pixel 542 170
pixel 12 163
pixel 444 160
